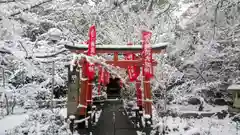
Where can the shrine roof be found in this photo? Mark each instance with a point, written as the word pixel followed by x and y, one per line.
pixel 234 87
pixel 157 48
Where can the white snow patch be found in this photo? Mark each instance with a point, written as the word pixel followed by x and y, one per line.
pixel 147 116
pixel 9 122
pixel 54 34
pixel 234 87
pixel 194 108
pixel 63 112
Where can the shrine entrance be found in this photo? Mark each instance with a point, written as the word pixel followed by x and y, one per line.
pixel 114 88
pixel 137 59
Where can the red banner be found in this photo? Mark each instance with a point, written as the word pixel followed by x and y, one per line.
pixel 139 93
pixel 121 83
pixel 106 77
pixel 91 51
pixel 147 55
pixel 132 74
pixel 100 79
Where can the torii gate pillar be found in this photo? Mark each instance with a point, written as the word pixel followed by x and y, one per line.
pixel 147 97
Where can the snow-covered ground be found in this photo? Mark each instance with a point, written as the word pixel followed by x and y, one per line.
pixel 194 126
pixel 194 108
pixel 191 126
pixel 11 121
pixel 204 126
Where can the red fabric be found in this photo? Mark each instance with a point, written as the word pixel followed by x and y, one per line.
pixel 101 75
pixel 91 51
pixel 132 74
pixel 147 55
pixel 100 79
pixel 139 93
pixel 106 77
pixel 121 83
pixel 99 89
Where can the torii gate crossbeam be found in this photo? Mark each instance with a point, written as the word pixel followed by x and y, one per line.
pixel 81 48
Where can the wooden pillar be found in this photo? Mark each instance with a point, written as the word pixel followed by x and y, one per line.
pixel 115 58
pixel 89 92
pixel 139 93
pixel 147 96
pixel 83 90
pixel 139 90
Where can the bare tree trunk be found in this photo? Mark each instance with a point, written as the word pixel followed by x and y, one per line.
pixel 150 6
pixel 53 81
pixel 7 104
pixel 5 95
pixel 165 100
pixel 53 72
pixel 13 105
pixel 3 74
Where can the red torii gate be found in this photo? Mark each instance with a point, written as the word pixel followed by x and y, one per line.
pixel 86 84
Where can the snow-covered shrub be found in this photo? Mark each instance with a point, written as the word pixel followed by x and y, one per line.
pixel 44 122
pixel 10 29
pixel 204 126
pixel 129 91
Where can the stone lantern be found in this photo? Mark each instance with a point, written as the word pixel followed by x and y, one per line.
pixel 234 89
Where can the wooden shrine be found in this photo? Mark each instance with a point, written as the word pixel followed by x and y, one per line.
pixel 84 86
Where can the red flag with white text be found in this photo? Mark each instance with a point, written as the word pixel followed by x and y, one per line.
pixel 100 78
pixel 132 74
pixel 91 51
pixel 139 92
pixel 106 77
pixel 147 55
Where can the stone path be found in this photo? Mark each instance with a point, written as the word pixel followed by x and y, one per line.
pixel 113 121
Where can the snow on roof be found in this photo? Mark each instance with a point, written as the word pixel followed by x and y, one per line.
pixel 1 89
pixel 54 33
pixel 234 87
pixel 159 45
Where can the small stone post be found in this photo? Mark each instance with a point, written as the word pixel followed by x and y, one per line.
pixel 71 125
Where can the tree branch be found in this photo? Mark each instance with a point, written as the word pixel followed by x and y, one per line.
pixel 52 55
pixel 163 11
pixel 23 48
pixel 27 8
pixel 149 9
pixel 5 52
pixel 7 1
pixel 199 73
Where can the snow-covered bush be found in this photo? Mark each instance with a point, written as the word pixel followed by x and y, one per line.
pixel 44 122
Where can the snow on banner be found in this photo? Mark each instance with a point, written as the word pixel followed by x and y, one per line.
pixel 100 79
pixel 139 92
pixel 106 77
pixel 91 51
pixel 131 69
pixel 147 55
